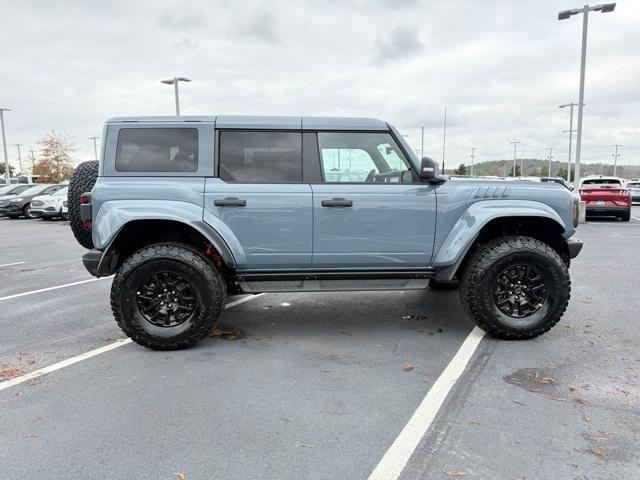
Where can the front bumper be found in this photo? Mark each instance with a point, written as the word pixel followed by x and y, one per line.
pixel 46 212
pixel 10 210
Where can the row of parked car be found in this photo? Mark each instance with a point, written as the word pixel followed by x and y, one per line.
pixel 609 196
pixel 40 200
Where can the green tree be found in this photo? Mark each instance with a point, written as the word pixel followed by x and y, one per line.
pixel 517 171
pixel 12 171
pixel 461 170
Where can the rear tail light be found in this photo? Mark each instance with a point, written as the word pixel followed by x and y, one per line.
pixel 85 198
pixel 86 224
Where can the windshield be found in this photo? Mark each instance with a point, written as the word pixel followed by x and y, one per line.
pixel 35 190
pixel 633 185
pixel 61 193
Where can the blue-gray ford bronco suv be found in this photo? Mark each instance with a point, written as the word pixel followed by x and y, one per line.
pixel 188 210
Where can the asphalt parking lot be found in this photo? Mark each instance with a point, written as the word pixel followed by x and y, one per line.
pixel 315 386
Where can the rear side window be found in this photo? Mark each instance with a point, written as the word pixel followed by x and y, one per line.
pixel 157 150
pixel 260 156
pixel 602 181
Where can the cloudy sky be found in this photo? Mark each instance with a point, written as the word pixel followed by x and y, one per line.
pixel 500 67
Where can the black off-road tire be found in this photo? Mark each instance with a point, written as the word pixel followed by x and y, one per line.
pixel 83 180
pixel 482 270
pixel 626 216
pixel 207 285
pixel 444 285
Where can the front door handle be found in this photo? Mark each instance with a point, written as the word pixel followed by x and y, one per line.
pixel 337 202
pixel 230 202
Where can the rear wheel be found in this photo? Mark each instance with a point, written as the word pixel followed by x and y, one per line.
pixel 83 180
pixel 626 216
pixel 515 287
pixel 167 296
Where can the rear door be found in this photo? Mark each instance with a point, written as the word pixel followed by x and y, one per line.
pixel 261 199
pixel 370 210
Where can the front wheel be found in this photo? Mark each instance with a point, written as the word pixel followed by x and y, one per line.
pixel 27 212
pixel 515 287
pixel 167 296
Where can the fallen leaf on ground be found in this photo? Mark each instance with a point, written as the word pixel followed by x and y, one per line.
pixel 598 451
pixel 11 372
pixel 602 438
pixel 455 473
pixel 180 475
pixel 304 445
pixel 586 418
pixel 582 401
pixel 559 399
pixel 407 367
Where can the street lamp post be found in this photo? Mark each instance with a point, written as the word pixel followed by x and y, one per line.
pixel 19 156
pixel 95 147
pixel 4 145
pixel 615 158
pixel 604 8
pixel 422 142
pixel 473 156
pixel 571 130
pixel 515 145
pixel 550 157
pixel 174 81
pixel 444 138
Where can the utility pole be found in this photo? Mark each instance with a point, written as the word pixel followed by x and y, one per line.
pixel 95 147
pixel 603 8
pixel 19 156
pixel 515 145
pixel 473 156
pixel 174 81
pixel 615 158
pixel 551 149
pixel 422 143
pixel 4 145
pixel 444 138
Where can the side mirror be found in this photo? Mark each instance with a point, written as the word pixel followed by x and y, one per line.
pixel 429 171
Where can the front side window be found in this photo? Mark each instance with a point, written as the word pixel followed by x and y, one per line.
pixel 260 156
pixel 157 150
pixel 355 157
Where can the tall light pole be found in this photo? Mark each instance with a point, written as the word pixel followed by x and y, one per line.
pixel 604 8
pixel 422 142
pixel 95 146
pixel 615 157
pixel 19 156
pixel 571 130
pixel 444 137
pixel 473 156
pixel 33 160
pixel 174 81
pixel 515 145
pixel 551 149
pixel 4 145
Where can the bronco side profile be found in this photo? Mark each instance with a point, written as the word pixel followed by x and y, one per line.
pixel 187 210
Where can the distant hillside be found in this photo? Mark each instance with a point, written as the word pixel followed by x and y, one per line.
pixel 539 167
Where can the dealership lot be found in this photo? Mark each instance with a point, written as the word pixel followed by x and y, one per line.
pixel 315 385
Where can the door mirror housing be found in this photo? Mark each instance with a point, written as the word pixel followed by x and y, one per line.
pixel 429 171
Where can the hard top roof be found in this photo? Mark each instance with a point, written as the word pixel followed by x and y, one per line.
pixel 266 122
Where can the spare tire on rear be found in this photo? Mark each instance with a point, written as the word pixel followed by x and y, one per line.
pixel 83 180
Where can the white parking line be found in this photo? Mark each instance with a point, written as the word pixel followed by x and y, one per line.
pixel 92 353
pixel 399 453
pixel 12 264
pixel 48 289
pixel 635 218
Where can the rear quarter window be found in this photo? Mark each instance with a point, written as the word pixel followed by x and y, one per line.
pixel 157 150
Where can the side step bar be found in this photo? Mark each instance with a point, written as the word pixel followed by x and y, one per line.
pixel 264 281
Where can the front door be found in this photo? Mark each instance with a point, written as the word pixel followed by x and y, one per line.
pixel 260 201
pixel 370 211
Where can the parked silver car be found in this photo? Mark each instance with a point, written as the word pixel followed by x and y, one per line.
pixel 634 189
pixel 49 206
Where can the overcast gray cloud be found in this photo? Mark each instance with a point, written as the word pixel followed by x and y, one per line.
pixel 501 68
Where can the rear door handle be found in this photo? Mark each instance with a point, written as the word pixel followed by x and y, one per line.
pixel 337 202
pixel 230 202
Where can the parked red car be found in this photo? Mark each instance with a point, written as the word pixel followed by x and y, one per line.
pixel 606 196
